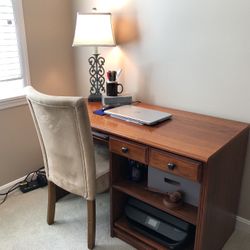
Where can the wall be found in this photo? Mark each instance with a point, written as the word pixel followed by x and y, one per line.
pixel 192 55
pixel 49 31
pixel 19 149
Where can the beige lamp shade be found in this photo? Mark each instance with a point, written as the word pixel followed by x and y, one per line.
pixel 93 29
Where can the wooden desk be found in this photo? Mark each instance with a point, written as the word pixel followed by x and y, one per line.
pixel 205 149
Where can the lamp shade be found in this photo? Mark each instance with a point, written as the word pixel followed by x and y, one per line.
pixel 93 29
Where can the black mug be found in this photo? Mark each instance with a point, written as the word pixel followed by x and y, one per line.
pixel 112 88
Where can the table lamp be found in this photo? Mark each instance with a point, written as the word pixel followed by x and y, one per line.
pixel 94 29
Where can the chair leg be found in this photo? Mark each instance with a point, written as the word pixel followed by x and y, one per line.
pixel 51 202
pixel 91 223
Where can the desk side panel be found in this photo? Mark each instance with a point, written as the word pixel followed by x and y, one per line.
pixel 220 194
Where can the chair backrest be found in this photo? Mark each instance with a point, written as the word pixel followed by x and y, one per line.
pixel 63 128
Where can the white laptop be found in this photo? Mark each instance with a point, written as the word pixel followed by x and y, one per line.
pixel 138 115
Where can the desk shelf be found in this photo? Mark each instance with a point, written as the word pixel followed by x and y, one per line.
pixel 122 187
pixel 137 190
pixel 123 229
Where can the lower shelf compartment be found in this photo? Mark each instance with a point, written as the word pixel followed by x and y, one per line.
pixel 137 190
pixel 123 231
pixel 136 239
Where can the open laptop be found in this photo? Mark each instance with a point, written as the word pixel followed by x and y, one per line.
pixel 138 115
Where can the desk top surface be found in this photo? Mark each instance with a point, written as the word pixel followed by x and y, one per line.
pixel 189 134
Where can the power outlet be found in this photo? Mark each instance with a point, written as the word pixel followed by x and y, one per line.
pixel 29 186
pixel 40 181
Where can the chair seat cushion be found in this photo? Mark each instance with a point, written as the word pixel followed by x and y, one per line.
pixel 102 167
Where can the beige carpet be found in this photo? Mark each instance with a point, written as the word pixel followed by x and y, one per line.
pixel 23 225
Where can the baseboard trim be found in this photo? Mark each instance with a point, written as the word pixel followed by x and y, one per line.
pixel 242 224
pixel 6 187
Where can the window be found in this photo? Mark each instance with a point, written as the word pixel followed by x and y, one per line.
pixel 13 60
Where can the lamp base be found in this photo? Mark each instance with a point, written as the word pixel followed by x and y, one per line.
pixel 97 79
pixel 95 98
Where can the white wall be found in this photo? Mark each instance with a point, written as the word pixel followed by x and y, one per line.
pixel 198 53
pixel 49 29
pixel 192 55
pixel 19 148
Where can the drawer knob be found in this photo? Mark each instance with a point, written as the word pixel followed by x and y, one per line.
pixel 171 166
pixel 124 150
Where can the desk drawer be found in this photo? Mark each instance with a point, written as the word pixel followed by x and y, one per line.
pixel 175 164
pixel 128 149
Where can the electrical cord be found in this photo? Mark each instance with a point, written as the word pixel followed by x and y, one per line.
pixel 29 177
pixel 14 187
pixel 34 173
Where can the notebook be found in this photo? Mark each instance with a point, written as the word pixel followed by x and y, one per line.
pixel 138 115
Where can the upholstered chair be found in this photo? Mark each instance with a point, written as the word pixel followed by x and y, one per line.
pixel 71 161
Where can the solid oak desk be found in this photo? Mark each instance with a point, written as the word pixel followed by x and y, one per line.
pixel 204 149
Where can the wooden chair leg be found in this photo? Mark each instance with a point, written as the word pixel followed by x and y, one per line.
pixel 51 202
pixel 91 223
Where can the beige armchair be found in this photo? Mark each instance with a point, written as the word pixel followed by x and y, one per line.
pixel 70 160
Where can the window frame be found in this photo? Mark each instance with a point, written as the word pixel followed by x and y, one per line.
pixel 19 100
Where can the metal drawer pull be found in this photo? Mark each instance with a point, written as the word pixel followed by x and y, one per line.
pixel 124 150
pixel 171 166
pixel 172 182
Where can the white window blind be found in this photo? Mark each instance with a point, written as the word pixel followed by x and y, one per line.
pixel 14 70
pixel 10 67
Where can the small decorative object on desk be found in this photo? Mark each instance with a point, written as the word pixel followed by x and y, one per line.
pixel 171 200
pixel 112 88
pixel 112 84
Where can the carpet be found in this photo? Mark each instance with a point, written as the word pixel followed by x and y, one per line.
pixel 23 225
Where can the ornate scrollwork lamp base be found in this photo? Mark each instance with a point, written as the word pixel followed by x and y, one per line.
pixel 97 79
